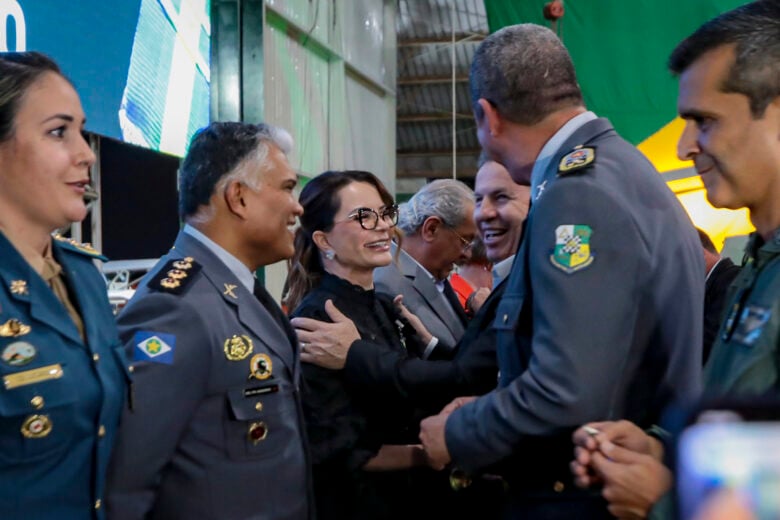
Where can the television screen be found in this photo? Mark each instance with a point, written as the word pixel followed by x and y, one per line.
pixel 140 66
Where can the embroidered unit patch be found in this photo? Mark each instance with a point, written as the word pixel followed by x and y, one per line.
pixel 572 248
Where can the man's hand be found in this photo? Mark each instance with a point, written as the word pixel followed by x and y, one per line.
pixel 326 344
pixel 432 437
pixel 588 438
pixel 414 321
pixel 477 298
pixel 633 481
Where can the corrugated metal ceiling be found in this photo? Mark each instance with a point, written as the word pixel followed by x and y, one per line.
pixel 424 140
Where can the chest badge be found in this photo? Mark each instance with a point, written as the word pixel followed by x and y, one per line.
pixel 19 287
pixel 13 328
pixel 260 366
pixel 238 348
pixel 36 426
pixel 18 353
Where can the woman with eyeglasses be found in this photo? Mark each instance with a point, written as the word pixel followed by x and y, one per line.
pixel 362 443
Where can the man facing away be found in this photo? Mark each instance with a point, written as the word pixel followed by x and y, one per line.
pixel 601 316
pixel 215 430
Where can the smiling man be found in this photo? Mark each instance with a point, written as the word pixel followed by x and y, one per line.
pixel 438 230
pixel 729 96
pixel 501 206
pixel 215 430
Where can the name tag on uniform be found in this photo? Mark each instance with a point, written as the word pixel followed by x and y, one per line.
pixel 29 377
pixel 261 390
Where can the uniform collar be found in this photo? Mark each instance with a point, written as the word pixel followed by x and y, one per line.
pixel 235 265
pixel 551 147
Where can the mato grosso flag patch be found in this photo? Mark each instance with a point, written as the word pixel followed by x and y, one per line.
pixel 572 248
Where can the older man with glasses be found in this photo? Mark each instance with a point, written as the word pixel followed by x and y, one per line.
pixel 437 231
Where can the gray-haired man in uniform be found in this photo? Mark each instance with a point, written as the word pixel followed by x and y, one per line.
pixel 215 430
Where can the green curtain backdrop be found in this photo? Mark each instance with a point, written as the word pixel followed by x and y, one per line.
pixel 620 50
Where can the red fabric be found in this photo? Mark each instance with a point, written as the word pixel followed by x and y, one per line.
pixel 461 287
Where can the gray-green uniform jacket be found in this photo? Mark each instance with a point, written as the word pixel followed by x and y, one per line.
pixel 744 357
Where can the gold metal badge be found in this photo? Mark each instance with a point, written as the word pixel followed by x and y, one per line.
pixel 169 283
pixel 19 287
pixel 18 353
pixel 229 288
pixel 579 158
pixel 14 328
pixel 36 426
pixel 29 377
pixel 258 431
pixel 237 348
pixel 260 366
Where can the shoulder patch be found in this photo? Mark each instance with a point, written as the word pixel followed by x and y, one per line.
pixel 572 251
pixel 578 159
pixel 175 275
pixel 78 247
pixel 154 346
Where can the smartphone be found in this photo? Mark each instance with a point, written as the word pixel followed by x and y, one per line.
pixel 728 465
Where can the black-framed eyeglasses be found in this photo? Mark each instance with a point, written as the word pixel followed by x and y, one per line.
pixel 465 244
pixel 369 218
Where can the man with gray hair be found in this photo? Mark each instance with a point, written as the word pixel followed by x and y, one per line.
pixel 437 232
pixel 601 316
pixel 214 429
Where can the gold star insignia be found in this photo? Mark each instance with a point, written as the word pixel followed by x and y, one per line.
pixel 19 287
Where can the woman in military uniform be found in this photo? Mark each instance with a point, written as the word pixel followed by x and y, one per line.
pixel 62 369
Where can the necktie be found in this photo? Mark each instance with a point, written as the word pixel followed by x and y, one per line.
pixel 274 310
pixel 452 298
pixel 52 275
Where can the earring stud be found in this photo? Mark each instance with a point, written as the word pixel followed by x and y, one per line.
pixel 330 254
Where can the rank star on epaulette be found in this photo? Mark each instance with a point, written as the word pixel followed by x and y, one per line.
pixel 84 248
pixel 580 158
pixel 175 276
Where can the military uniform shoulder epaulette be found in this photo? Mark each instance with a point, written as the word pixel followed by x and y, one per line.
pixel 175 275
pixel 577 160
pixel 78 247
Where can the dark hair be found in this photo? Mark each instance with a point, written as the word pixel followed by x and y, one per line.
pixel 216 156
pixel 706 241
pixel 18 72
pixel 754 29
pixel 320 200
pixel 525 72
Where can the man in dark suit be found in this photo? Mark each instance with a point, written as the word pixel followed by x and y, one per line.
pixel 437 233
pixel 601 316
pixel 215 430
pixel 721 271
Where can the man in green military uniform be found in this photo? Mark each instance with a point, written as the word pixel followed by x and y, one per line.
pixel 729 73
pixel 730 100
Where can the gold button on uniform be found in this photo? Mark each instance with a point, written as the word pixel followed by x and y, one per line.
pixel 558 486
pixel 98 503
pixel 102 431
pixel 95 357
pixel 259 406
pixel 131 369
pixel 37 402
